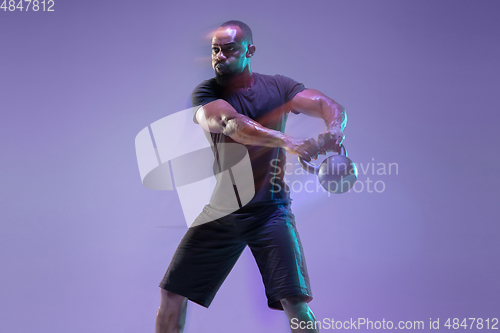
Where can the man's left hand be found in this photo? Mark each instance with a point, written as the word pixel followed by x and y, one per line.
pixel 330 140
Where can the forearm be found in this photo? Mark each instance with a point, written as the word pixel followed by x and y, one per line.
pixel 333 114
pixel 249 132
pixel 220 117
pixel 315 104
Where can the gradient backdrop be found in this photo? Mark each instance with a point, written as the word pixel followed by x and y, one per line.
pixel 83 245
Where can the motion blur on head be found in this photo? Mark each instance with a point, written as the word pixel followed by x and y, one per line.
pixel 232 49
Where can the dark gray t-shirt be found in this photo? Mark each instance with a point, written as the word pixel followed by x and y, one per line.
pixel 266 102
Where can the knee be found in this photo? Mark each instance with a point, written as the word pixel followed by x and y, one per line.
pixel 294 303
pixel 171 313
pixel 172 302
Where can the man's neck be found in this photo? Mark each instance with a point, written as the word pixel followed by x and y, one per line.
pixel 242 81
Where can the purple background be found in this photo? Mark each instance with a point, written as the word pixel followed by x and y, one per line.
pixel 83 245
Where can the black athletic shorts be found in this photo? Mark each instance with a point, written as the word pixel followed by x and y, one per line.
pixel 208 252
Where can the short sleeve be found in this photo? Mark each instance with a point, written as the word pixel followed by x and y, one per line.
pixel 203 94
pixel 290 88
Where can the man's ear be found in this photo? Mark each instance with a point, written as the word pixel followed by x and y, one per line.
pixel 250 51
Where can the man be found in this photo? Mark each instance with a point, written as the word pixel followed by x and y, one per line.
pixel 238 106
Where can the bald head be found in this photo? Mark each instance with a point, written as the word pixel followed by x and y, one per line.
pixel 245 29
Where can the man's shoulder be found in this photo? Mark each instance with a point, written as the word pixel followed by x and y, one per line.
pixel 277 79
pixel 212 83
pixel 207 87
pixel 273 77
pixel 284 86
pixel 205 92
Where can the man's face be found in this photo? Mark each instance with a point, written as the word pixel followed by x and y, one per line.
pixel 230 54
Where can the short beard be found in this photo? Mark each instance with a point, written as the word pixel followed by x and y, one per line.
pixel 223 79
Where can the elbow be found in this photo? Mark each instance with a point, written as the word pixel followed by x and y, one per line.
pixel 216 123
pixel 229 125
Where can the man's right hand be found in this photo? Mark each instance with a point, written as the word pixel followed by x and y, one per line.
pixel 306 148
pixel 331 139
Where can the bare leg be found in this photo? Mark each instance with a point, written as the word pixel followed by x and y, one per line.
pixel 171 314
pixel 299 315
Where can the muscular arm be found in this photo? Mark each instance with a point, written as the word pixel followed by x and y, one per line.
pixel 314 103
pixel 220 117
